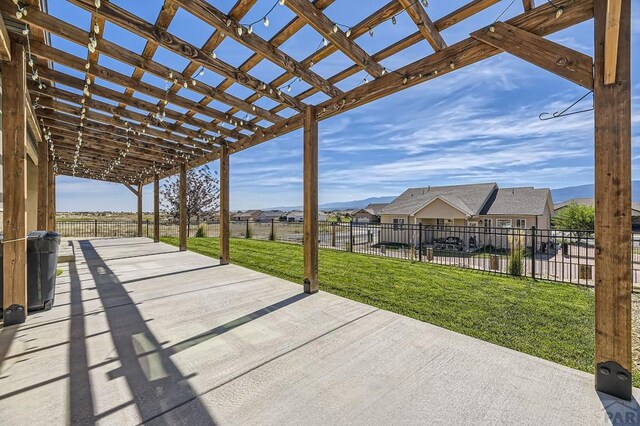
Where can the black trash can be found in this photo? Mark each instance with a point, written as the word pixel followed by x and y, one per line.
pixel 42 262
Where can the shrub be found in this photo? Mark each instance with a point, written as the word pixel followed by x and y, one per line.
pixel 201 232
pixel 516 263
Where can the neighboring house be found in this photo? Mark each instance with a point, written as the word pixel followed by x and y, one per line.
pixel 635 208
pixel 481 206
pixel 269 215
pixel 369 214
pixel 250 215
pixel 298 216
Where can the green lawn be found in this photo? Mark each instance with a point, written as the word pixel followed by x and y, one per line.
pixel 548 320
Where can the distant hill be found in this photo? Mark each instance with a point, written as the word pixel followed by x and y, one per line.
pixel 588 191
pixel 342 205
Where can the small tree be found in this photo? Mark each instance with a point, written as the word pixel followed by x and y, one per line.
pixel 203 194
pixel 575 217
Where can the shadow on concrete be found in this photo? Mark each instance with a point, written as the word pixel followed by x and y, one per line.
pixel 81 409
pixel 156 384
pixel 6 337
pixel 618 411
pixel 217 331
pixel 181 271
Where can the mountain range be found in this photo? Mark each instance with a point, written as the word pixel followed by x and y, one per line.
pixel 558 194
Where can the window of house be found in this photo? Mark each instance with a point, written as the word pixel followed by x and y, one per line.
pixel 397 223
pixel 486 223
pixel 521 223
pixel 503 223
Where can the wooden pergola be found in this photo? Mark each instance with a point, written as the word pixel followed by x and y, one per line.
pixel 135 141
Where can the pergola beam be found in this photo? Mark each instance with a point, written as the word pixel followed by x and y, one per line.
pixel 611 40
pixel 156 209
pixel 5 42
pixel 224 205
pixel 310 182
pixel 14 137
pixel 424 23
pixel 139 211
pixel 553 57
pixel 43 185
pixel 182 192
pixel 319 21
pixel 613 239
pixel 528 4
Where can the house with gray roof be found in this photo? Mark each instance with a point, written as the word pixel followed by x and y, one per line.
pixel 481 206
pixel 369 214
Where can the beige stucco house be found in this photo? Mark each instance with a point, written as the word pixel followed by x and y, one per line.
pixel 467 212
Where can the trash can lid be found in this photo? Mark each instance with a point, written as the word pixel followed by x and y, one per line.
pixel 44 235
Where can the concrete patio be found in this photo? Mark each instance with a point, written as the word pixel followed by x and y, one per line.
pixel 142 333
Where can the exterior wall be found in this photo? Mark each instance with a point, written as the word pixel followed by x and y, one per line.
pixel 438 209
pixel 389 234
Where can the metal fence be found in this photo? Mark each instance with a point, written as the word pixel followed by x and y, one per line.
pixel 548 254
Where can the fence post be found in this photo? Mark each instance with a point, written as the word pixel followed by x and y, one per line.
pixel 533 252
pixel 273 230
pixel 95 228
pixel 351 235
pixel 333 234
pixel 420 242
pixel 147 228
pixel 246 235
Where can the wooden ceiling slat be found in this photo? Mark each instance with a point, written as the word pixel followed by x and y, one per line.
pixel 56 92
pixel 425 25
pixel 73 62
pixel 241 8
pixel 153 145
pixel 319 21
pixel 141 104
pixel 117 122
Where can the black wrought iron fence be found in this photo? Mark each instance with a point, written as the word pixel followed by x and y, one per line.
pixel 548 254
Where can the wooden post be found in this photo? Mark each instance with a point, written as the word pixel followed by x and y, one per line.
pixel 183 207
pixel 14 136
pixel 140 209
pixel 310 201
pixel 43 185
pixel 613 267
pixel 51 197
pixel 156 209
pixel 224 204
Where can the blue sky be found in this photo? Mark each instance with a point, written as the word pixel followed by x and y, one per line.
pixel 477 124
